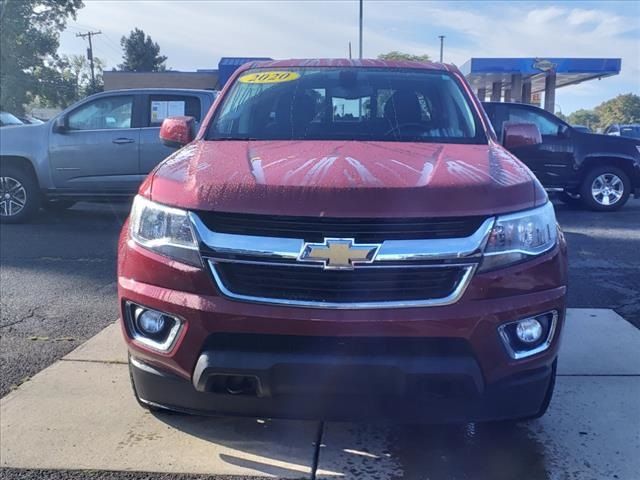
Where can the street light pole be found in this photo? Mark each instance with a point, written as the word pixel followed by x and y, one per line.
pixel 441 37
pixel 360 53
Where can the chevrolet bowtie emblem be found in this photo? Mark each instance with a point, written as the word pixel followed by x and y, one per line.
pixel 338 253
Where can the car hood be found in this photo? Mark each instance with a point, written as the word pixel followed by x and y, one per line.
pixel 18 138
pixel 345 179
pixel 614 142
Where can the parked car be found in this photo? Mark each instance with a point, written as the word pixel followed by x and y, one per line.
pixel 29 120
pixel 598 171
pixel 344 239
pixel 98 149
pixel 7 119
pixel 631 130
pixel 582 128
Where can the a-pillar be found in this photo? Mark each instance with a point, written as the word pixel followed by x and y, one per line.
pixel 550 91
pixel 496 91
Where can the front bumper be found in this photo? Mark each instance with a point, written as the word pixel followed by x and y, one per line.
pixel 436 392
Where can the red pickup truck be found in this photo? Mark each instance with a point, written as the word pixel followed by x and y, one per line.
pixel 344 239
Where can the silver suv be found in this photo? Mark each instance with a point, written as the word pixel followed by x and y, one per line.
pixel 99 149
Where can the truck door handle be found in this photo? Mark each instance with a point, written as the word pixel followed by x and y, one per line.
pixel 122 140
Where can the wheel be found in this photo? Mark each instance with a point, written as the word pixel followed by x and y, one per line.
pixel 19 195
pixel 58 205
pixel 605 189
pixel 570 199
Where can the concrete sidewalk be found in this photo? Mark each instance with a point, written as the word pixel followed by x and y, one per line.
pixel 79 414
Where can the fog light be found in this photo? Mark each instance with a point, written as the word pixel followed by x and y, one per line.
pixel 529 336
pixel 529 330
pixel 152 328
pixel 149 321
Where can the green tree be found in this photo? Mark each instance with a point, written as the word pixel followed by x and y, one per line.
pixel 141 53
pixel 77 70
pixel 29 39
pixel 621 109
pixel 395 55
pixel 590 118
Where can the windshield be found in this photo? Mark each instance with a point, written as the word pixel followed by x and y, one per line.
pixel 347 104
pixel 8 119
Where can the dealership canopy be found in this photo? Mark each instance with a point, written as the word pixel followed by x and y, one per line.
pixel 516 79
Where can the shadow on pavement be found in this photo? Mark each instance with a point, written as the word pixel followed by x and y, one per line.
pixel 254 438
pixel 501 451
pixel 479 451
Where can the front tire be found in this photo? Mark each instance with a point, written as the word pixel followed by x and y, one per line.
pixel 605 189
pixel 20 195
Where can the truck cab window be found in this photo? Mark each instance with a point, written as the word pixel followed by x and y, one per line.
pixel 103 114
pixel 546 125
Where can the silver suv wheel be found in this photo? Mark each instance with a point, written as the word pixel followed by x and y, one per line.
pixel 607 189
pixel 13 196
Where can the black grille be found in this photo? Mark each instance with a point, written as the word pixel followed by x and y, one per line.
pixel 315 229
pixel 360 285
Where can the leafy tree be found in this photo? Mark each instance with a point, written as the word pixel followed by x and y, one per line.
pixel 395 55
pixel 562 116
pixel 621 109
pixel 590 118
pixel 77 70
pixel 141 53
pixel 29 35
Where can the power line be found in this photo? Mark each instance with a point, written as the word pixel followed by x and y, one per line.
pixel 90 53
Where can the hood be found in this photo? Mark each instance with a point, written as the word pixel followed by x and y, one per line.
pixel 609 141
pixel 15 139
pixel 345 179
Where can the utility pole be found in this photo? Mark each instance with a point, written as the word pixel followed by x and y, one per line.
pixel 441 37
pixel 360 29
pixel 90 54
pixel 349 50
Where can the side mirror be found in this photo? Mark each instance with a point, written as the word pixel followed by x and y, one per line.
pixel 518 134
pixel 60 124
pixel 563 131
pixel 176 132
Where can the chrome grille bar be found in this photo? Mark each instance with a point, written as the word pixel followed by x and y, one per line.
pixel 225 245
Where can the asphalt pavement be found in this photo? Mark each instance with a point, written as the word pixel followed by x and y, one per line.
pixel 57 285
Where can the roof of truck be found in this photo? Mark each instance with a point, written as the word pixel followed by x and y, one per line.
pixel 160 90
pixel 345 62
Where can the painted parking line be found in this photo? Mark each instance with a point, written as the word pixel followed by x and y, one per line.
pixel 80 414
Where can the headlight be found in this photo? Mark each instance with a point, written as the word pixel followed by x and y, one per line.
pixel 520 236
pixel 165 230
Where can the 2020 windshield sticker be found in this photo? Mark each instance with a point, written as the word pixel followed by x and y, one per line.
pixel 269 77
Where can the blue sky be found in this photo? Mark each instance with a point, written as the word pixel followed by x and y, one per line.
pixel 195 34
